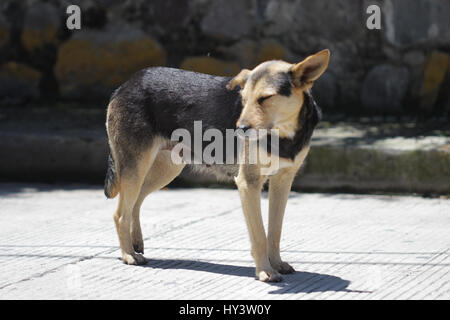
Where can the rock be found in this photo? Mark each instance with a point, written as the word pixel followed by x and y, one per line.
pixel 436 67
pixel 243 52
pixel 325 91
pixel 228 19
pixel 93 13
pixel 169 14
pixel 275 9
pixel 41 25
pixel 210 66
pixel 306 27
pixel 411 22
pixel 4 30
pixel 442 105
pixel 19 84
pixel 260 9
pixel 271 50
pixel 93 63
pixel 446 108
pixel 312 25
pixel 385 88
pixel 414 58
pixel 249 53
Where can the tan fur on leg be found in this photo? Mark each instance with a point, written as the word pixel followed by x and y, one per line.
pixel 279 188
pixel 162 172
pixel 249 183
pixel 130 186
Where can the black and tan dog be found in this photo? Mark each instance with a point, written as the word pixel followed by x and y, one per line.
pixel 145 110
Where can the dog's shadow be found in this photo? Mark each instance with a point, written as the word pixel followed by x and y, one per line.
pixel 298 282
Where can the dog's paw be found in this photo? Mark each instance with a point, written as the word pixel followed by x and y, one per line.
pixel 138 242
pixel 281 266
pixel 285 268
pixel 269 276
pixel 138 247
pixel 134 259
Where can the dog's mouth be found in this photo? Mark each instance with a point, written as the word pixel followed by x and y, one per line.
pixel 244 128
pixel 252 133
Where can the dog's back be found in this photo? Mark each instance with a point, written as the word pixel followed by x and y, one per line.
pixel 169 99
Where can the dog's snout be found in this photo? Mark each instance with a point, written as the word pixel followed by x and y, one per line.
pixel 244 127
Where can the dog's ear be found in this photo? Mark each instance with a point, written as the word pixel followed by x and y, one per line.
pixel 240 79
pixel 310 69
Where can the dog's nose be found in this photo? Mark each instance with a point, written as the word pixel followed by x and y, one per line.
pixel 244 127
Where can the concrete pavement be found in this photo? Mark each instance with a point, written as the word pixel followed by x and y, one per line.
pixel 59 242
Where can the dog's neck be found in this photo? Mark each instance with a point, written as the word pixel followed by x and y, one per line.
pixel 308 119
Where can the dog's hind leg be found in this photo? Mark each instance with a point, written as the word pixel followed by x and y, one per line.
pixel 161 173
pixel 249 182
pixel 131 180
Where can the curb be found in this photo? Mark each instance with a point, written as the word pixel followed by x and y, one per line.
pixel 337 162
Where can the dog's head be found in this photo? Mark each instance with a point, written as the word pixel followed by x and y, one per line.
pixel 273 92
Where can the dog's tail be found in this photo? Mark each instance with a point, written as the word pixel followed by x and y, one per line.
pixel 111 182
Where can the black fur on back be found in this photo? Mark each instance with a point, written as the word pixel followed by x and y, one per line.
pixel 169 99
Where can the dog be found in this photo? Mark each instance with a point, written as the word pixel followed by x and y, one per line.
pixel 146 109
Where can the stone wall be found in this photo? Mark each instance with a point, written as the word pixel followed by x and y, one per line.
pixel 401 69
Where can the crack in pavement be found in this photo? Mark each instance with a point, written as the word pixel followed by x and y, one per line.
pixel 112 249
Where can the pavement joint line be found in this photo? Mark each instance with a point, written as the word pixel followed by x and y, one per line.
pixel 338 267
pixel 398 267
pixel 111 250
pixel 310 282
pixel 442 286
pixel 182 226
pixel 343 287
pixel 304 251
pixel 399 280
pixel 420 273
pixel 42 274
pixel 416 293
pixel 445 294
pixel 335 263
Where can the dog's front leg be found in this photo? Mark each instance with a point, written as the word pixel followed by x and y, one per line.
pixel 279 188
pixel 249 183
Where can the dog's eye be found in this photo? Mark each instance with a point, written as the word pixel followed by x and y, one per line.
pixel 262 99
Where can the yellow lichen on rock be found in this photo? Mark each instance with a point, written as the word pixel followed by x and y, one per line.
pixel 20 72
pixel 4 37
pixel 83 63
pixel 271 51
pixel 210 66
pixel 249 53
pixel 434 75
pixel 37 38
